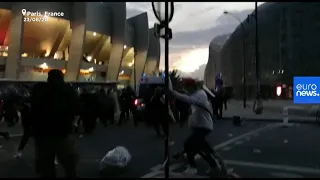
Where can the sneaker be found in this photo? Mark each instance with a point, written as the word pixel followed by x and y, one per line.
pixel 191 171
pixel 17 155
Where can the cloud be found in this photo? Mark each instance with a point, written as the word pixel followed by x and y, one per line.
pixel 194 25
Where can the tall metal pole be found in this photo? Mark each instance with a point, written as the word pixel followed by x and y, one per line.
pixel 244 68
pixel 244 84
pixel 134 73
pixel 166 64
pixel 257 54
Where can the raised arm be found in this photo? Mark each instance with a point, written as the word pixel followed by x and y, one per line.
pixel 185 98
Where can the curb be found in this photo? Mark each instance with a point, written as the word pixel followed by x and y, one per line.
pixel 273 120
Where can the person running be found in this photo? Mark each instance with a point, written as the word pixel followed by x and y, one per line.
pixel 201 125
pixel 25 111
pixel 59 104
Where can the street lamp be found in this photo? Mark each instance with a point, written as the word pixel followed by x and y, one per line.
pixel 243 58
pixel 164 24
pixel 257 106
pixel 134 71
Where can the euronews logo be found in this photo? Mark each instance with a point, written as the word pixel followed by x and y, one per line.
pixel 307 90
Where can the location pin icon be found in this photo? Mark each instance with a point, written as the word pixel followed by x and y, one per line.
pixel 24 11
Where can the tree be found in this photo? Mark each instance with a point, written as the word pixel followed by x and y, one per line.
pixel 174 76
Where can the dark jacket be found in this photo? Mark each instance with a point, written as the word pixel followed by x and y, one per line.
pixel 53 109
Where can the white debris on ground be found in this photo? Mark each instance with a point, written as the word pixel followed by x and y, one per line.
pixel 257 151
pixel 230 135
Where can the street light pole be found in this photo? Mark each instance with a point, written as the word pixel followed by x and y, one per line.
pixel 166 80
pixel 164 23
pixel 258 108
pixel 244 84
pixel 134 72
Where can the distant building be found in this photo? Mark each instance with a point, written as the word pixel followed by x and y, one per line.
pixel 214 65
pixel 289 42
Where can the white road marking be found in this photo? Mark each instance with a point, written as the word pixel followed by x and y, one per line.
pixel 238 142
pixel 256 134
pixel 226 148
pixel 220 146
pixel 256 151
pixel 285 175
pixel 273 166
pixel 14 135
pixel 156 168
pixel 160 174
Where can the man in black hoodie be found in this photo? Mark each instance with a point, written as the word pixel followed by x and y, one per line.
pixel 54 106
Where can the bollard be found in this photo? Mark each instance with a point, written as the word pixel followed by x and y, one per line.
pixel 285 118
pixel 237 121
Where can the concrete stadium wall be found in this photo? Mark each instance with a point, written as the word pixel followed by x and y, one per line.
pixel 104 18
pixel 141 44
pixel 98 18
pixel 118 21
pixel 153 56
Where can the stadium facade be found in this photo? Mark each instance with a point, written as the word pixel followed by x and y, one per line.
pixel 288 46
pixel 89 41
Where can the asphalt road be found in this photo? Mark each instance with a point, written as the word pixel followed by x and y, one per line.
pixel 278 152
pixel 146 149
pixel 275 152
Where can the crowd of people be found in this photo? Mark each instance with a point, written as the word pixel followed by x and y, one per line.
pixel 54 111
pixel 64 109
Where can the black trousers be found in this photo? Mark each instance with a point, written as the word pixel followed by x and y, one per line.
pixel 110 114
pixel 89 123
pixel 27 133
pixel 197 144
pixel 47 148
pixel 158 126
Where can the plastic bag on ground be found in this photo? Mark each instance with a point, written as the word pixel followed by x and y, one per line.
pixel 118 157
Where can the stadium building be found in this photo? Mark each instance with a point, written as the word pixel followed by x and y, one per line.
pixel 89 41
pixel 288 46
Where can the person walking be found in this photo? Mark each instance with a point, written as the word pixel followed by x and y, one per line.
pixel 25 111
pixel 59 104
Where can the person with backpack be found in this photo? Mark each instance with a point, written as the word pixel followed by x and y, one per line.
pixel 54 106
pixel 201 124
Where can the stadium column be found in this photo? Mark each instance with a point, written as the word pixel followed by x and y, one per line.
pixel 58 41
pixel 96 51
pixel 78 26
pixel 15 43
pixel 118 11
pixel 150 67
pixel 141 45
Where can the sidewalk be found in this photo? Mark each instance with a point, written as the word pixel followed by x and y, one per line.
pixel 272 111
pixel 278 105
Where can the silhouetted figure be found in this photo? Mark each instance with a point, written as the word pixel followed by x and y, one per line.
pixel 90 111
pixel 54 105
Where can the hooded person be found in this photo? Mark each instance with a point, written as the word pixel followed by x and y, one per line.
pixel 200 123
pixel 54 105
